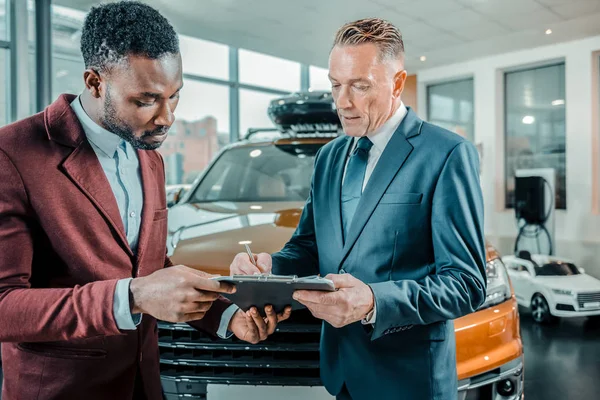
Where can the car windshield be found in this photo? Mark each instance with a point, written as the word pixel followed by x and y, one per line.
pixel 557 269
pixel 259 173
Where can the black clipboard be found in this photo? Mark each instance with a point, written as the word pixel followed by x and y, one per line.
pixel 276 290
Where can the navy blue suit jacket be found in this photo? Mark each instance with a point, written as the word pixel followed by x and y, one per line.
pixel 417 240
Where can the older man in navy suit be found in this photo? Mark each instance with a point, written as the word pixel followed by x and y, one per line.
pixel 395 219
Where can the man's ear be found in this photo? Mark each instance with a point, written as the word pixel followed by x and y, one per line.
pixel 399 81
pixel 93 82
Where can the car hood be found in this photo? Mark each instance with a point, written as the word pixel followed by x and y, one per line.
pixel 207 236
pixel 577 283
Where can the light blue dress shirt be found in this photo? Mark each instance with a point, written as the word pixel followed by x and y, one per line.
pixel 121 165
pixel 122 169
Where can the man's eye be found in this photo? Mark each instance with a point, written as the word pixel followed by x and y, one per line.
pixel 142 104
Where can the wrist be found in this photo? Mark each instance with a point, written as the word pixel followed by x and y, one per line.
pixel 371 303
pixel 135 296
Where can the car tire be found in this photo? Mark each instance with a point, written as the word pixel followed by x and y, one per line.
pixel 540 310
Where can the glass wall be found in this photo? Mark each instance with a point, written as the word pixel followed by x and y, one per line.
pixel 201 128
pixel 253 110
pixel 212 102
pixel 204 58
pixel 451 106
pixel 4 86
pixel 67 62
pixel 262 70
pixel 535 125
pixel 3 20
pixel 4 64
pixel 319 78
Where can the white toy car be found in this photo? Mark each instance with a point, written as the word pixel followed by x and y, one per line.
pixel 552 287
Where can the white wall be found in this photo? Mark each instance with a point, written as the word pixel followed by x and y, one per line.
pixel 577 228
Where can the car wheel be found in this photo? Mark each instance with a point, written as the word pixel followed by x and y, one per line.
pixel 540 310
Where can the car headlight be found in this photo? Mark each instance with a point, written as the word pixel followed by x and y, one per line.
pixel 563 292
pixel 498 286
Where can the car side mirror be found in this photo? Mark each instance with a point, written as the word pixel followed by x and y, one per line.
pixel 176 198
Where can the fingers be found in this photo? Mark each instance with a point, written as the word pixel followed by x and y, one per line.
pixel 342 280
pixel 253 334
pixel 315 297
pixel 272 319
pixel 211 285
pixel 242 265
pixel 191 317
pixel 264 262
pixel 259 322
pixel 287 312
pixel 196 307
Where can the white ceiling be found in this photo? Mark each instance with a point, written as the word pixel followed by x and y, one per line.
pixel 445 31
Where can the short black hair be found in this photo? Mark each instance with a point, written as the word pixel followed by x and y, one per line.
pixel 113 31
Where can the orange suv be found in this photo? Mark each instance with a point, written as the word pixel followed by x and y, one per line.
pixel 255 191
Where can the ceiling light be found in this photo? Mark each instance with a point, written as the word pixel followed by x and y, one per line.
pixel 559 102
pixel 243 242
pixel 255 153
pixel 528 120
pixel 256 207
pixel 548 31
pixel 423 58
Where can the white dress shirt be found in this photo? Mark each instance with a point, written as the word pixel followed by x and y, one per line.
pixel 380 139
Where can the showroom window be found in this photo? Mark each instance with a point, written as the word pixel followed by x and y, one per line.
pixel 201 128
pixel 3 21
pixel 4 87
pixel 212 104
pixel 534 120
pixel 319 78
pixel 271 72
pixel 204 58
pixel 4 64
pixel 67 62
pixel 451 105
pixel 253 110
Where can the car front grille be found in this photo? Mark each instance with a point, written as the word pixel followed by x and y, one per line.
pixel 583 298
pixel 189 359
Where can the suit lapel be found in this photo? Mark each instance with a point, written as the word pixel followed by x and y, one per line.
pixel 82 165
pixel 395 154
pixel 336 174
pixel 147 167
pixel 84 169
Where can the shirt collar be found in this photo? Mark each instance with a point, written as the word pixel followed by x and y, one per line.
pixel 382 136
pixel 103 139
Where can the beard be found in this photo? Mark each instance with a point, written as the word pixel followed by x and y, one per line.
pixel 114 124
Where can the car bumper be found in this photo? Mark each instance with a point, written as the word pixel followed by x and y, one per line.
pixel 573 314
pixel 503 383
pixel 490 352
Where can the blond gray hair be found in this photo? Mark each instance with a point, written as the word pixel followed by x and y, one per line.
pixel 377 31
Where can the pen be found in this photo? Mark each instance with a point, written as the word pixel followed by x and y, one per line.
pixel 250 254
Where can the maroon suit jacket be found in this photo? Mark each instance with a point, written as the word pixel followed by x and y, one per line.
pixel 62 250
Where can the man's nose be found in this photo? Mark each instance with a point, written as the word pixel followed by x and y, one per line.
pixel 165 116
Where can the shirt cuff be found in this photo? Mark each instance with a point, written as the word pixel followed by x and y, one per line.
pixel 226 317
pixel 122 308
